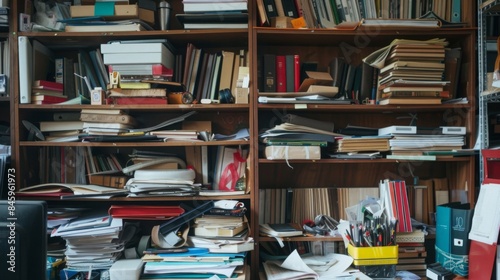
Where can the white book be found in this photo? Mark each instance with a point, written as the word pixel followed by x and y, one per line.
pixel 103 111
pixel 214 6
pixel 132 48
pixel 165 174
pixel 25 50
pixel 46 126
pixel 409 157
pixel 139 58
pixel 104 28
pixel 397 129
pixel 105 125
pixel 454 130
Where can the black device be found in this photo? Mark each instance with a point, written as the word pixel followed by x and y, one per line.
pixel 23 239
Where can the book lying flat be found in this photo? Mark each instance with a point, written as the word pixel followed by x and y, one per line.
pixel 409 101
pixel 104 28
pixel 145 212
pixel 292 152
pixel 281 230
pixel 60 189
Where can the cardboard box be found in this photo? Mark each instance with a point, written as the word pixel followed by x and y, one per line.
pixel 241 96
pixel 281 22
pixel 120 12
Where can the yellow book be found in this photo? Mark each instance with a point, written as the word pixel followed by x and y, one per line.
pixel 135 85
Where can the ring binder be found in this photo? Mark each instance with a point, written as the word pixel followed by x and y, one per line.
pixel 176 222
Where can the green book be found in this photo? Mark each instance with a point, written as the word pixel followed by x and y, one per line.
pixel 285 142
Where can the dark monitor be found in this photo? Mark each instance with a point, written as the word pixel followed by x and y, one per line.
pixel 23 240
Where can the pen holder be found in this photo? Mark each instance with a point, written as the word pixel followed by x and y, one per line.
pixel 378 261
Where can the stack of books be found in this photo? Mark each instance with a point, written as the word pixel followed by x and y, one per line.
pixel 221 234
pixel 411 72
pixel 209 15
pixel 219 226
pixel 47 92
pixel 412 253
pixel 359 144
pixel 424 143
pixel 115 18
pixel 297 137
pixel 106 122
pixel 128 66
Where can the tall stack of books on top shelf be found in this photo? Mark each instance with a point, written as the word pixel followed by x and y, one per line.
pixel 215 14
pixel 128 67
pixel 412 73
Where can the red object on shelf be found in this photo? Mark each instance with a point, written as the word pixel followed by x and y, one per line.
pixel 491 163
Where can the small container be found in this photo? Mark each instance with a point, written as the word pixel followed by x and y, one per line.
pixel 164 12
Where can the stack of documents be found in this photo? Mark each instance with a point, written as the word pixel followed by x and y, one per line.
pixel 236 244
pixel 163 182
pixel 92 240
pixel 302 131
pixel 362 144
pixel 195 263
pixel 418 141
pixel 425 142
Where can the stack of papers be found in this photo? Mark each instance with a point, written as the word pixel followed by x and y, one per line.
pixel 142 188
pixel 362 144
pixel 331 266
pixel 194 263
pixel 427 142
pixel 91 241
pixel 162 182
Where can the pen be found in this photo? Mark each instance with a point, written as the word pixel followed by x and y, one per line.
pixel 350 239
pixel 367 239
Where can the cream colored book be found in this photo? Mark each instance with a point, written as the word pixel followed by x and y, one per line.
pixel 104 28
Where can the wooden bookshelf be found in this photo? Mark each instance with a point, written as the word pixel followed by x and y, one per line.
pixel 312 45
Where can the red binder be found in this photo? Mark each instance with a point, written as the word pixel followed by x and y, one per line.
pixel 145 212
pixel 481 259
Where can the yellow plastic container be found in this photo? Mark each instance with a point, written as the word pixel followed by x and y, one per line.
pixel 379 255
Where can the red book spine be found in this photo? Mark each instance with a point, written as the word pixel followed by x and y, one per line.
pixel 139 100
pixel 280 73
pixel 399 201
pixel 161 70
pixel 406 207
pixel 296 72
pixel 51 99
pixel 48 85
